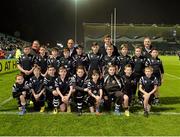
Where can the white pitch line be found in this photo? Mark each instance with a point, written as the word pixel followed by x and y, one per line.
pixel 6 101
pixel 173 76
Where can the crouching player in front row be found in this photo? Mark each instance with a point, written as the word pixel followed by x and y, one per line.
pixel 78 82
pixel 49 85
pixel 19 91
pixel 63 91
pixel 95 91
pixel 113 86
pixel 147 87
pixel 37 89
pixel 129 83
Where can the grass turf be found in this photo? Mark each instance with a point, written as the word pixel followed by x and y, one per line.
pixel 91 125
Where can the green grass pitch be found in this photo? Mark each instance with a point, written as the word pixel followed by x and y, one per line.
pixel 164 120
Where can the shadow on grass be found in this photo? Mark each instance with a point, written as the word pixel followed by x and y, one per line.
pixel 8 109
pixel 169 100
pixel 163 109
pixel 160 108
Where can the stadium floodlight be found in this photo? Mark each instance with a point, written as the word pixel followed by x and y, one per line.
pixel 76 18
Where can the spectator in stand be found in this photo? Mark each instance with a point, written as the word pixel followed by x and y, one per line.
pixel 17 52
pixel 2 54
pixel 179 55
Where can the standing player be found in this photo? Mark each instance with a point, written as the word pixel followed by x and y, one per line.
pixel 66 61
pixel 147 87
pixel 109 59
pixel 19 91
pixel 94 59
pixel 26 63
pixel 124 58
pixel 158 70
pixel 37 88
pixel 108 42
pixel 80 59
pixel 54 60
pixel 138 65
pixel 41 60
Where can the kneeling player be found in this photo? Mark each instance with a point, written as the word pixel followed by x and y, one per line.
pixel 95 91
pixel 63 91
pixel 49 85
pixel 78 82
pixel 19 91
pixel 113 86
pixel 147 87
pixel 37 88
pixel 129 83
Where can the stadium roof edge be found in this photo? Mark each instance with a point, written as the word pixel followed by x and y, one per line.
pixel 123 24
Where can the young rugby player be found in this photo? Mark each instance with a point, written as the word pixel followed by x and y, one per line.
pixel 94 59
pixel 49 85
pixel 147 87
pixel 37 88
pixel 26 63
pixel 113 86
pixel 109 59
pixel 138 65
pixel 19 91
pixel 41 60
pixel 158 70
pixel 124 58
pixel 67 61
pixel 95 92
pixel 78 81
pixel 63 91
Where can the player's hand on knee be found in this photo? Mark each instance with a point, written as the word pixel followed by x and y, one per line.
pixel 24 93
pixel 66 98
pixel 106 97
pixel 98 99
pixel 36 97
pixel 86 89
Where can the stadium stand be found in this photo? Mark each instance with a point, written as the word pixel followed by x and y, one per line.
pixel 166 38
pixel 8 45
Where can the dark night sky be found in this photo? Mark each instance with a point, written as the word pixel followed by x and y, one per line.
pixel 53 20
